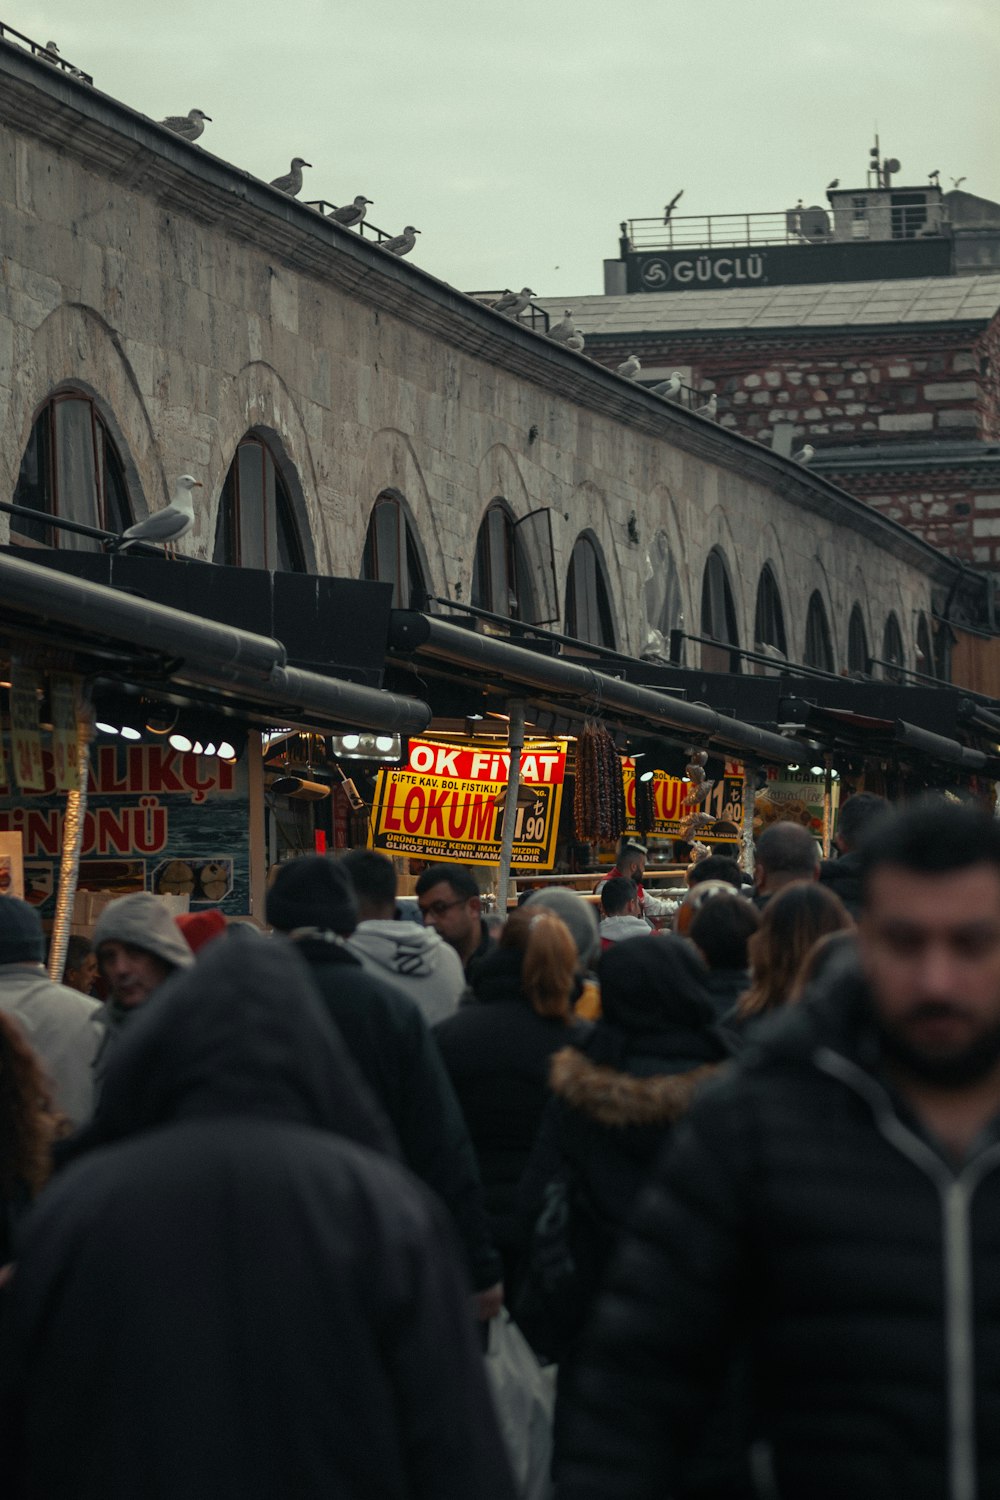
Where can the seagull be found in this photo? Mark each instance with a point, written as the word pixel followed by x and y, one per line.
pixel 400 244
pixel 51 48
pixel 291 183
pixel 805 454
pixel 575 342
pixel 164 528
pixel 629 368
pixel 709 409
pixel 956 182
pixel 514 303
pixel 190 126
pixel 669 389
pixel 834 184
pixel 351 213
pixel 672 205
pixel 563 330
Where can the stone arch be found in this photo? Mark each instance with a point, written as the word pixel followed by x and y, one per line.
pixel 719 657
pixel 392 467
pixel 587 534
pixel 500 478
pixel 718 535
pixel 75 348
pixel 258 403
pixel 588 503
pixel 819 583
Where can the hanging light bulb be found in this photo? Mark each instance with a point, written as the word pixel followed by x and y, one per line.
pixel 180 742
pixel 210 748
pixel 350 741
pixel 106 728
pixel 197 748
pixel 226 751
pixel 128 733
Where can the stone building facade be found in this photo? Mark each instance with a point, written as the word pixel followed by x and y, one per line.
pixel 195 310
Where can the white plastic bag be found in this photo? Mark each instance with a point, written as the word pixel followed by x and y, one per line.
pixel 524 1394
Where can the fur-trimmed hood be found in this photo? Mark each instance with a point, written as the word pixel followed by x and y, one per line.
pixel 613 1098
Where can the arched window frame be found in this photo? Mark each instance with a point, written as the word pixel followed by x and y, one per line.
pixel 588 614
pixel 769 618
pixel 662 596
pixel 818 648
pixel 893 651
pixel 97 495
pixel 858 653
pixel 495 585
pixel 256 526
pixel 391 554
pixel 718 608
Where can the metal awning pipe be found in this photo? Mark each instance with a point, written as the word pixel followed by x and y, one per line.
pixel 426 635
pixel 939 747
pixel 101 611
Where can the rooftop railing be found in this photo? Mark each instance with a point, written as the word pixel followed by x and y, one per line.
pixel 37 49
pixel 366 229
pixel 710 231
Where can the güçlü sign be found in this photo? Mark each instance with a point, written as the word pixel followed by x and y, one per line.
pixel 447 803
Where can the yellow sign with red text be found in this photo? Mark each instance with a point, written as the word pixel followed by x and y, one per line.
pixel 447 803
pixel 672 810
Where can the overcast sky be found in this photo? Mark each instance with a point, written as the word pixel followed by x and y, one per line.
pixel 516 136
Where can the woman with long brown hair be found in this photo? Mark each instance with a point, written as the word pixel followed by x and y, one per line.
pixel 792 922
pixel 27 1129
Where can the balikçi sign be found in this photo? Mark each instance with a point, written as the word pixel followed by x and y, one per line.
pixel 672 811
pixel 447 803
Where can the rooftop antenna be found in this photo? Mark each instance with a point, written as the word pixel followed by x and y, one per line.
pixel 875 163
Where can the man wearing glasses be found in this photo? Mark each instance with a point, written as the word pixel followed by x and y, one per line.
pixel 448 897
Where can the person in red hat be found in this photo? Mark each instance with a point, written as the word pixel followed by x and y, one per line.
pixel 201 927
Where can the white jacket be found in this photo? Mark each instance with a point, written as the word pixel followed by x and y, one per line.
pixel 63 1027
pixel 614 929
pixel 416 959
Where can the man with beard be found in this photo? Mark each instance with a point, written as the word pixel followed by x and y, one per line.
pixel 829 1221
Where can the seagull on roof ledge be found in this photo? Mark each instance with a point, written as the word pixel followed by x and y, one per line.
pixel 513 304
pixel 805 454
pixel 576 342
pixel 562 330
pixel 400 244
pixel 291 183
pixel 669 389
pixel 709 409
pixel 834 184
pixel 164 528
pixel 189 126
pixel 629 368
pixel 350 214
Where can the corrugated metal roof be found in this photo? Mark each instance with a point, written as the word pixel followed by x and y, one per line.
pixel 931 299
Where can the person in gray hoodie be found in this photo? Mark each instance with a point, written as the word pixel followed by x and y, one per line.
pixel 138 947
pixel 620 912
pixel 416 959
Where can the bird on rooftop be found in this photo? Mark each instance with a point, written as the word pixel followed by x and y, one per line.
pixel 351 213
pixel 291 183
pixel 956 182
pixel 164 528
pixel 49 47
pixel 629 368
pixel 672 205
pixel 576 342
pixel 562 330
pixel 400 244
pixel 189 126
pixel 834 184
pixel 805 454
pixel 710 408
pixel 513 303
pixel 669 389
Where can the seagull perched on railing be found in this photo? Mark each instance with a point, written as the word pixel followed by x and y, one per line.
pixel 669 389
pixel 400 244
pixel 291 183
pixel 189 126
pixel 513 304
pixel 629 368
pixel 164 528
pixel 351 213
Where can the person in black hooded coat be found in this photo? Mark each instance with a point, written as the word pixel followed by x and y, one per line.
pixel 617 1092
pixel 234 1292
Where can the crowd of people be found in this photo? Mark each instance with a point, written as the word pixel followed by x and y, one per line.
pixel 731 1166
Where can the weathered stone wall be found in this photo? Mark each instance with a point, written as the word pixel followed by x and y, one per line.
pixel 194 306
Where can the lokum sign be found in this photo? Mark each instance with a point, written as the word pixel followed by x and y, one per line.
pixel 447 803
pixel 673 811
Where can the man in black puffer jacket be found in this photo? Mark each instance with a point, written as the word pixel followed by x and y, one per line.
pixel 831 1209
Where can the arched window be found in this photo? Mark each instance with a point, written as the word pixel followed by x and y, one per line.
pixel 819 648
pixel 925 651
pixel 588 608
pixel 892 650
pixel 256 523
pixel 494 573
pixel 391 555
pixel 857 644
pixel 718 616
pixel 70 469
pixel 662 596
pixel 769 621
